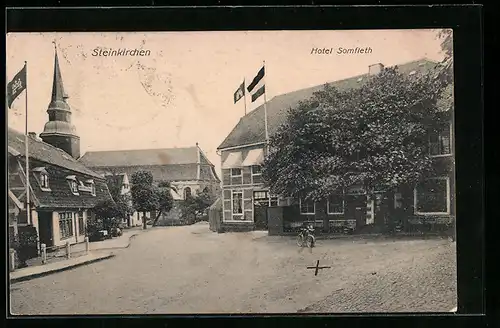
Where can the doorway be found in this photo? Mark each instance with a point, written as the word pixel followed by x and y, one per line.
pixel 45 228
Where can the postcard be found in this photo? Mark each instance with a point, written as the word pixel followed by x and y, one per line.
pixel 237 172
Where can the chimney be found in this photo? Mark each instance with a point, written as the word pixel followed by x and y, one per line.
pixel 375 69
pixel 32 135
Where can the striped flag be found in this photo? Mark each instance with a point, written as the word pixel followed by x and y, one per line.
pixel 16 86
pixel 239 93
pixel 257 88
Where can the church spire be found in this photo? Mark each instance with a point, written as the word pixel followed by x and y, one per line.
pixel 58 100
pixel 59 131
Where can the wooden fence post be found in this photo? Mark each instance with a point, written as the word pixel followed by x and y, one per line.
pixel 43 250
pixel 87 245
pixel 68 250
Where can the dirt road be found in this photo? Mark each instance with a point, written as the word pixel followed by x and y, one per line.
pixel 192 270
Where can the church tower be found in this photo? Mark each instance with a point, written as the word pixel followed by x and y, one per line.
pixel 58 131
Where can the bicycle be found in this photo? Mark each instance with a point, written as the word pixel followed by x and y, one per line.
pixel 306 237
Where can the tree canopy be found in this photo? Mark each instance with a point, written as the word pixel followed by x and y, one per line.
pixel 375 135
pixel 195 206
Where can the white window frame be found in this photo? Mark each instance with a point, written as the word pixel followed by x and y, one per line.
pixel 236 176
pixel 259 173
pixel 42 175
pixel 44 181
pixel 73 185
pixel 73 232
pixel 451 143
pixel 309 213
pixel 242 205
pixel 448 198
pixel 72 181
pixel 343 205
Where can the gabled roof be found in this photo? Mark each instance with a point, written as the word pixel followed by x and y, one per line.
pixel 141 157
pixel 250 128
pixel 170 164
pixel 45 152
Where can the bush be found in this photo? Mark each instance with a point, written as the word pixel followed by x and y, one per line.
pixel 26 244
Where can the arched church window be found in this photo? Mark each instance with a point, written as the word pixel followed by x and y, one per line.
pixel 187 193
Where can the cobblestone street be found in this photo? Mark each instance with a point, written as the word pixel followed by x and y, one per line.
pixel 192 270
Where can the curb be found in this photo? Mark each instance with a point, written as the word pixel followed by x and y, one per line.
pixel 118 247
pixel 41 274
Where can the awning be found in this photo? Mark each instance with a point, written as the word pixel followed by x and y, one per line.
pixel 254 157
pixel 233 160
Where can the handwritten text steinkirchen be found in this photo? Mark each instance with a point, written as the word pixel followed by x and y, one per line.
pixel 120 52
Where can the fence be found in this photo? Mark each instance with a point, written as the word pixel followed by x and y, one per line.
pixel 67 251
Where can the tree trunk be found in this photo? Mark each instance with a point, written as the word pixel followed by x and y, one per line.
pixel 144 223
pixel 156 219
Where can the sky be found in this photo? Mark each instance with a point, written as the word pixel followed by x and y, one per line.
pixel 182 93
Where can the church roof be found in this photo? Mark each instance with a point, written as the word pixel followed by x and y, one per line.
pixel 170 164
pixel 250 129
pixel 140 157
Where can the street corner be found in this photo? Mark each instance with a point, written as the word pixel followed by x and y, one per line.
pixel 47 269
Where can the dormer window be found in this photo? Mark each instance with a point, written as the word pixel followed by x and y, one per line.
pixel 91 184
pixel 42 177
pixel 44 181
pixel 73 184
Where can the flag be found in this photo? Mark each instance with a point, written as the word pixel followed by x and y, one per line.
pixel 257 85
pixel 240 92
pixel 16 86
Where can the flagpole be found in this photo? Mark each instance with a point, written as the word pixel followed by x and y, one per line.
pixel 265 107
pixel 26 138
pixel 245 94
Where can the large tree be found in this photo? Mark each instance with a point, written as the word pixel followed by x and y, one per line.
pixel 375 135
pixel 165 199
pixel 144 194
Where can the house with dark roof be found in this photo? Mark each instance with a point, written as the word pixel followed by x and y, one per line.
pixel 245 197
pixel 187 169
pixel 62 191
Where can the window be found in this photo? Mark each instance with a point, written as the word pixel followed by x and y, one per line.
pixel 440 141
pixel 335 204
pixel 273 201
pixel 256 170
pixel 260 195
pixel 235 172
pixel 432 196
pixel 66 225
pixel 44 181
pixel 187 193
pixel 81 224
pixel 74 186
pixel 237 204
pixel 307 206
pixel 42 177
